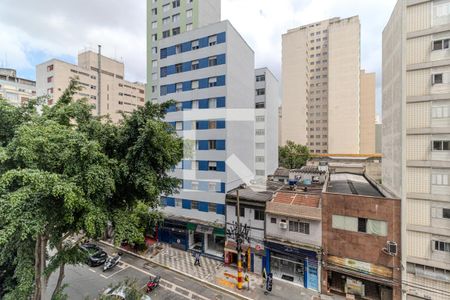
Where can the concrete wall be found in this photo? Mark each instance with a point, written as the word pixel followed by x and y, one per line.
pixel 343 87
pixel 367 113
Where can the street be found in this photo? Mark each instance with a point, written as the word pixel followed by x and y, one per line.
pixel 85 282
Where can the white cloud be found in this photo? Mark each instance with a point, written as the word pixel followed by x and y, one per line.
pixel 62 28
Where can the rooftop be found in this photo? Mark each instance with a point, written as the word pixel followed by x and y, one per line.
pixel 294 204
pixel 347 183
pixel 280 171
pixel 257 193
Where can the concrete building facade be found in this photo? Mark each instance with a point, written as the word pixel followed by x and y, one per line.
pixel 322 91
pixel 106 89
pixel 210 74
pixel 168 18
pixel 416 140
pixel 267 102
pixel 15 90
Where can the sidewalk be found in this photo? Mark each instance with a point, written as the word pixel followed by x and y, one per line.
pixel 216 273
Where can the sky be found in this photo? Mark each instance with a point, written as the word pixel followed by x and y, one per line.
pixel 32 32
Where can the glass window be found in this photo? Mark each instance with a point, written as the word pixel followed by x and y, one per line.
pixel 176 31
pixel 446 213
pixel 273 220
pixel 212 166
pixel 176 18
pixel 260 92
pixel 195 84
pixel 195 45
pixel 212 61
pixel 212 207
pixel 189 13
pixel 189 27
pixel 260 78
pixel 166 34
pixel 438 78
pixel 212 82
pixel 154 25
pixel 175 3
pixel 195 65
pixel 166 20
pixel 259 214
pixel 212 40
pixel 178 202
pixel 166 7
pixel 194 205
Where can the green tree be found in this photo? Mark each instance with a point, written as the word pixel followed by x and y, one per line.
pixel 292 155
pixel 66 172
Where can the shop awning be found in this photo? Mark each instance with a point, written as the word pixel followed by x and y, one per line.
pixel 356 274
pixel 219 231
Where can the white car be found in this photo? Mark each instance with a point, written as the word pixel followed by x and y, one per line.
pixel 119 293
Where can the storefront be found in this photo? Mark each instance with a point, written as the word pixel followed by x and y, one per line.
pixel 174 233
pixel 206 239
pixel 253 258
pixel 292 264
pixel 365 280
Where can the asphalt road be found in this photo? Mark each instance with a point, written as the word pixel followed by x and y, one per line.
pixel 85 282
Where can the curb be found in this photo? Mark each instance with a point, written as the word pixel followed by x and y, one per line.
pixel 215 286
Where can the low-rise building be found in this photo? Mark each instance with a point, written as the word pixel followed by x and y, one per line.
pixel 15 90
pixel 252 204
pixel 294 236
pixel 360 238
pixel 105 87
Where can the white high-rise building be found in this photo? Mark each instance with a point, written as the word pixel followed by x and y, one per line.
pixel 209 72
pixel 15 90
pixel 416 140
pixel 267 103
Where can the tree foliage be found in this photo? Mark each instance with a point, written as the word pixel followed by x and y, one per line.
pixel 293 156
pixel 64 172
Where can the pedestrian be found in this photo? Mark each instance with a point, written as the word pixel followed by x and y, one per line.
pixel 248 282
pixel 197 259
pixel 244 263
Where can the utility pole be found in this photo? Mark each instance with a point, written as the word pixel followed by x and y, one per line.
pixel 238 244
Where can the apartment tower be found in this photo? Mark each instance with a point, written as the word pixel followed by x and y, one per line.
pixel 117 94
pixel 323 92
pixel 267 102
pixel 15 90
pixel 166 18
pixel 416 140
pixel 206 67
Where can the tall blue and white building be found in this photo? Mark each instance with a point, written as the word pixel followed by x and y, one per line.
pixel 209 72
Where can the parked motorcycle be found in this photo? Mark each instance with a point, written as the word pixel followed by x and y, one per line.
pixel 112 261
pixel 153 283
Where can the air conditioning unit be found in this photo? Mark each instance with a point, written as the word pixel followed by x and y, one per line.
pixel 391 248
pixel 283 225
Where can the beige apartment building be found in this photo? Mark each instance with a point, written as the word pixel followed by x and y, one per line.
pixel 416 140
pixel 327 100
pixel 115 95
pixel 15 90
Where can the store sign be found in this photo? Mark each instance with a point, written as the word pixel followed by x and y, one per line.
pixel 360 266
pixel 204 229
pixel 354 287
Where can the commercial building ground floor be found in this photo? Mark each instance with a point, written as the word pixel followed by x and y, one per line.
pixel 297 265
pixel 193 236
pixel 364 280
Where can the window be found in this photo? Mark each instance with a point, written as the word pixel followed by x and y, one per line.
pixel 273 220
pixel 166 20
pixel 195 185
pixel 212 144
pixel 50 91
pixel 49 68
pixel 163 73
pixel 441 146
pixel 195 65
pixel 259 158
pixel 189 27
pixel 440 112
pixel 212 207
pixel 212 166
pixel 260 145
pixel 446 213
pixel 260 92
pixel 179 106
pixel 166 34
pixel 212 40
pixel 163 90
pixel 241 211
pixel 153 88
pixel 212 103
pixel 178 202
pixel 176 31
pixel 154 25
pixel 189 13
pixel 154 11
pixel 176 18
pixel 176 3
pixel 437 78
pixel 212 187
pixel 179 87
pixel 441 246
pixel 260 78
pixel 362 225
pixel 259 214
pixel 154 50
pixel 195 45
pixel 260 118
pixel 301 227
pixel 439 179
pixel 154 63
pixel 177 47
pixel 212 61
pixel 178 68
pixel 194 205
pixel 260 132
pixel 195 84
pixel 260 105
pixel 154 37
pixel 212 82
pixel 166 7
